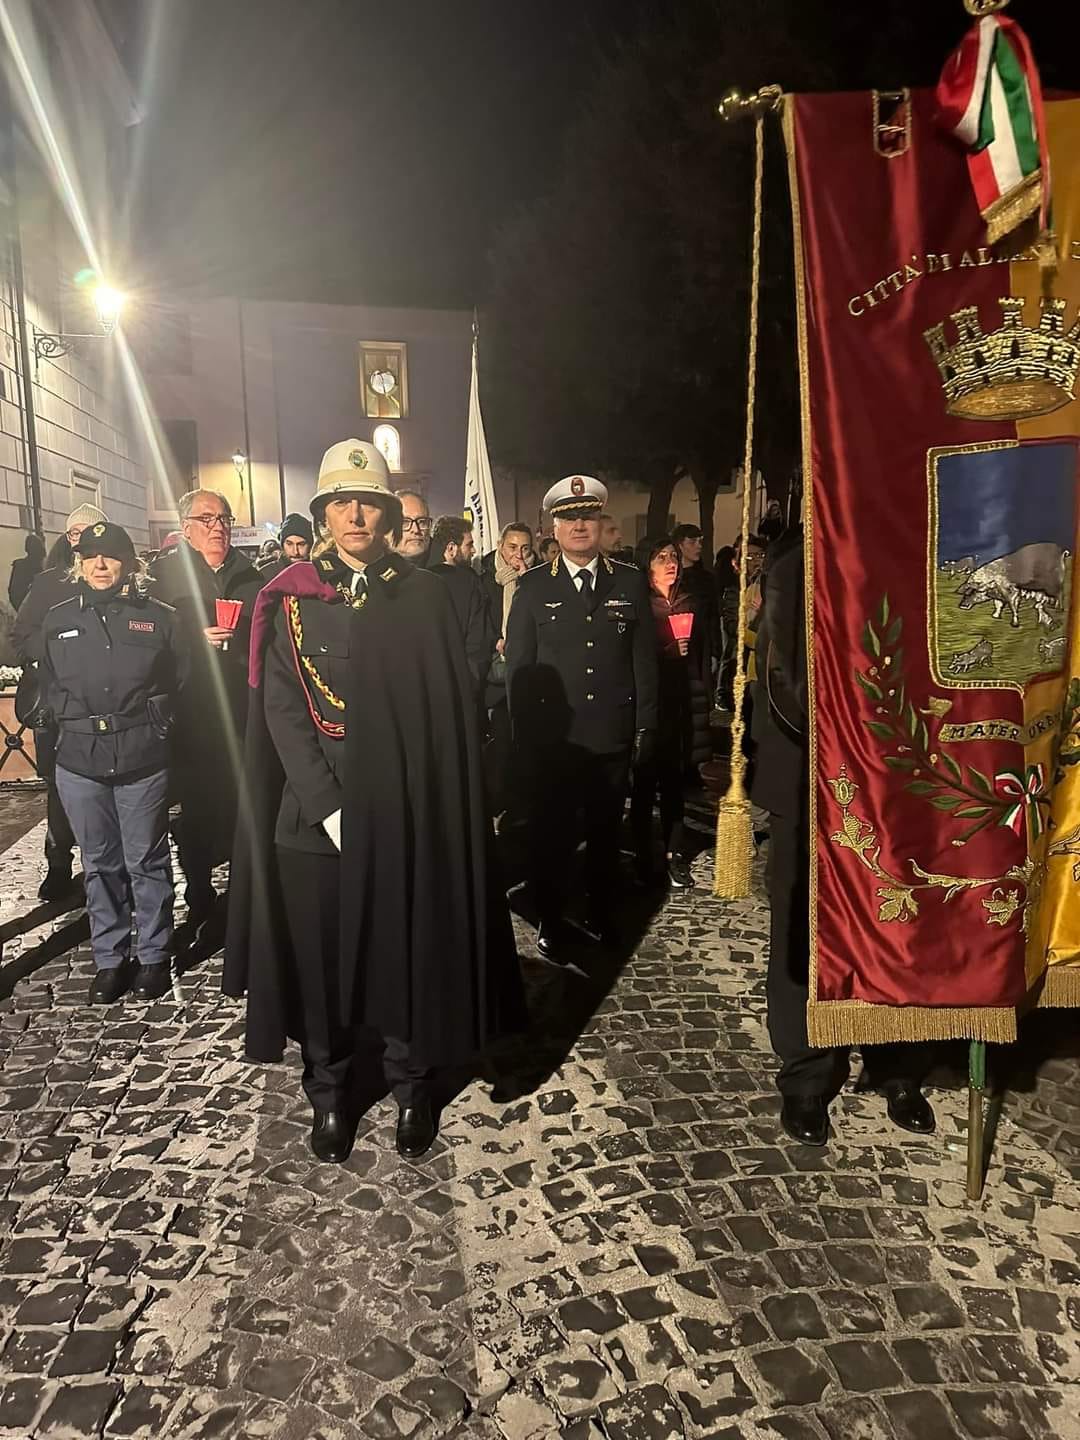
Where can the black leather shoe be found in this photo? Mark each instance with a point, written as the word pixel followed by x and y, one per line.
pixel 151 981
pixel 908 1107
pixel 679 874
pixel 415 1130
pixel 331 1138
pixel 806 1118
pixel 107 986
pixel 58 885
pixel 552 938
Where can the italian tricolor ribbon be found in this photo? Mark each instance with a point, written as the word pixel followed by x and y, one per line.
pixel 1027 792
pixel 990 98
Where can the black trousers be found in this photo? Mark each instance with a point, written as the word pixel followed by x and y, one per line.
pixel 204 836
pixel 59 838
pixel 804 1070
pixel 565 781
pixel 330 1042
pixel 666 776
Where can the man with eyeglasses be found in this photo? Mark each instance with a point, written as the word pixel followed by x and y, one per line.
pixel 414 543
pixel 50 587
pixel 209 730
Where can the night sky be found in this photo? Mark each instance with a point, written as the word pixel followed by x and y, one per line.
pixel 349 150
pixel 371 150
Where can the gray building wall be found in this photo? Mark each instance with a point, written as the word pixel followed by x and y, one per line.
pixel 298 391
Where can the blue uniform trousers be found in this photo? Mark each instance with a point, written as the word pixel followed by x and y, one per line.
pixel 123 832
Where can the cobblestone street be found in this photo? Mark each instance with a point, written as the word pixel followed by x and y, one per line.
pixel 610 1238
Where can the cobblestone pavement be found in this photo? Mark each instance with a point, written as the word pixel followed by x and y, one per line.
pixel 610 1239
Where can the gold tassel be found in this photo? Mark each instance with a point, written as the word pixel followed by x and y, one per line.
pixel 734 848
pixel 734 837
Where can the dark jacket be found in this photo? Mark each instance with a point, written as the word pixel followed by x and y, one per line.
pixel 212 712
pixel 113 667
pixel 685 701
pixel 577 673
pixel 427 952
pixel 780 723
pixel 23 572
pixel 471 608
pixel 700 583
pixel 50 588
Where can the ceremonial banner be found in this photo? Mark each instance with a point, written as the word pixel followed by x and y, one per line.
pixel 942 447
pixel 480 506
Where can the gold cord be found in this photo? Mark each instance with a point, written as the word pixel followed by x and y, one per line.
pixel 734 842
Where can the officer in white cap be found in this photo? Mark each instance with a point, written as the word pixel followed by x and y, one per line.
pixel 582 679
pixel 370 911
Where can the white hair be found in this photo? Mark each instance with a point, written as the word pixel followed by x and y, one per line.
pixel 184 504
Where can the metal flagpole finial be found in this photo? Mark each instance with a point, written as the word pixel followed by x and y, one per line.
pixel 979 8
pixel 736 106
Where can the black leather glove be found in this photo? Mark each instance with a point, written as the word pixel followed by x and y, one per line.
pixel 644 748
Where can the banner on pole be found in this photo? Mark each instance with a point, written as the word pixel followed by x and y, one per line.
pixel 942 455
pixel 480 506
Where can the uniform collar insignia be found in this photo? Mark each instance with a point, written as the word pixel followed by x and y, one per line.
pixel 326 563
pixel 608 566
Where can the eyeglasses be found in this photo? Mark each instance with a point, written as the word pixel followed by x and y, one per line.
pixel 209 521
pixel 422 523
pixel 75 534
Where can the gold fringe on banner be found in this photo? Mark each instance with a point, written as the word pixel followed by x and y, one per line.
pixel 853 1022
pixel 1060 988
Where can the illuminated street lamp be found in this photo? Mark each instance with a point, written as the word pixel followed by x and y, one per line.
pixel 240 460
pixel 108 303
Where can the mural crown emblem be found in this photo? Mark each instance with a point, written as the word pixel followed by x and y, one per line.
pixel 1012 373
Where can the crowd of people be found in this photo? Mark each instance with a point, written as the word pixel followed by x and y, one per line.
pixel 343 721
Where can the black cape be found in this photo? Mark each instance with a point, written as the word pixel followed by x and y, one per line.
pixel 427 947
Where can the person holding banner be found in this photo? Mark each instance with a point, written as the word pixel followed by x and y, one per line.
pixel 810 1077
pixel 683 733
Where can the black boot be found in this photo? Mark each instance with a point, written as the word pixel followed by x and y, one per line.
pixel 151 981
pixel 331 1138
pixel 107 986
pixel 415 1129
pixel 59 884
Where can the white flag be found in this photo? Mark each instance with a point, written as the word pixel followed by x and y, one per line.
pixel 480 504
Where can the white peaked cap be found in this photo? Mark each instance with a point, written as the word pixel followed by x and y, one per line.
pixel 353 467
pixel 574 495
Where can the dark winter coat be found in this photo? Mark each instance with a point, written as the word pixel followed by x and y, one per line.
pixel 470 603
pixel 426 945
pixel 23 573
pixel 212 712
pixel 685 701
pixel 50 588
pixel 780 711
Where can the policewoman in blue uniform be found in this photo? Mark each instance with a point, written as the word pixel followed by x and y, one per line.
pixel 113 666
pixel 582 685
